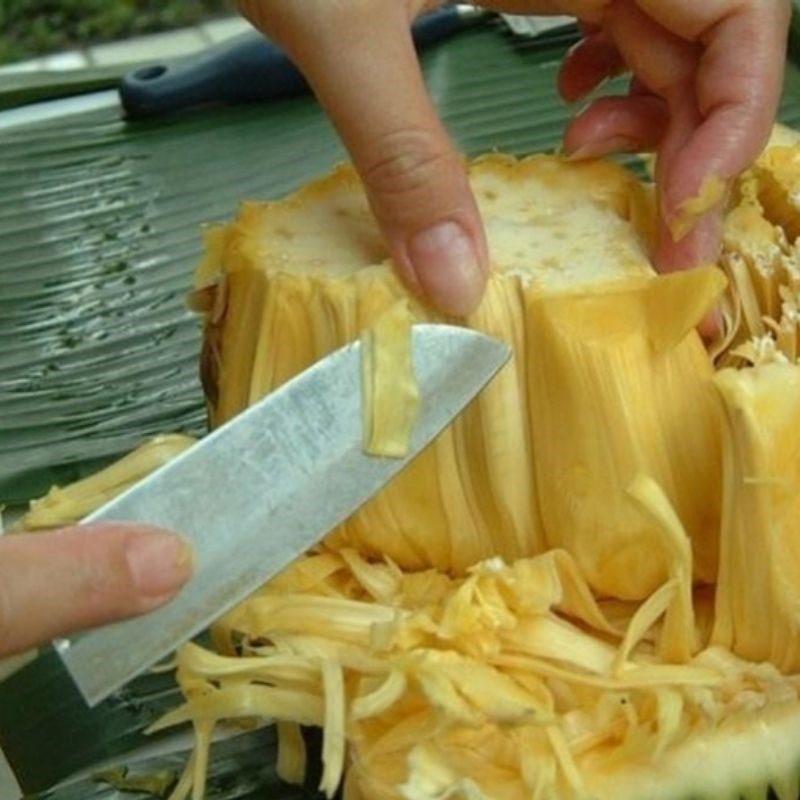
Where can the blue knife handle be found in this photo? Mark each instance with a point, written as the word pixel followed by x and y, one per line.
pixel 245 69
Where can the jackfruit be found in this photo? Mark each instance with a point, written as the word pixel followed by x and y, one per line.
pixel 587 587
pixel 616 384
pixel 757 613
pixel 64 506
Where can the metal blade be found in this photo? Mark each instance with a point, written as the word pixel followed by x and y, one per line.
pixel 259 491
pixel 532 26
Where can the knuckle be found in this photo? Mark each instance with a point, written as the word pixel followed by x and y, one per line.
pixel 405 162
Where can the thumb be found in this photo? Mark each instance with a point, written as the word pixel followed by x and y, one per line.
pixel 365 72
pixel 54 583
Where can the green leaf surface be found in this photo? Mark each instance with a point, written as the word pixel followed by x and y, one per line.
pixel 242 768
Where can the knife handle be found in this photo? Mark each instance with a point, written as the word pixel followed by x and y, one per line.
pixel 247 68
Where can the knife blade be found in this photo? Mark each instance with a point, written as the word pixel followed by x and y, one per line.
pixel 259 491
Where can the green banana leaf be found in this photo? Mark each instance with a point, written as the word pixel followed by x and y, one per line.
pixel 100 224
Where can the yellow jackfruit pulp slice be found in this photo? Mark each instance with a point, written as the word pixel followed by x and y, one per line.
pixel 390 395
pixel 63 506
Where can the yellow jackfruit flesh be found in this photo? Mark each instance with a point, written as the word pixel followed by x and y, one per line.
pixel 588 586
pixel 63 506
pixel 757 611
pixel 505 683
pixel 612 394
pixel 573 293
pixel 761 253
pixel 390 395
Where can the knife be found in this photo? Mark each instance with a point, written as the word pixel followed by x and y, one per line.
pixel 249 68
pixel 259 491
pixel 251 496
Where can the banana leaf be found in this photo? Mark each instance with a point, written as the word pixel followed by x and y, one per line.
pixel 100 224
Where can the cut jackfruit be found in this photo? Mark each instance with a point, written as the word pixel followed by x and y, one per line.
pixel 63 506
pixel 606 404
pixel 598 392
pixel 757 612
pixel 390 396
pixel 598 450
pixel 589 587
pixel 501 684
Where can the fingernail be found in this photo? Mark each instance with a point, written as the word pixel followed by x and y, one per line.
pixel 603 147
pixel 160 563
pixel 447 267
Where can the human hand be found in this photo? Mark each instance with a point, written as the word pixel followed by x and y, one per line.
pixel 707 81
pixel 55 583
pixel 707 78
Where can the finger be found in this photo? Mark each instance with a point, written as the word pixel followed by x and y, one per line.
pixel 659 58
pixel 701 243
pixel 364 69
pixel 55 583
pixel 637 88
pixel 616 124
pixel 687 239
pixel 590 62
pixel 737 98
pixel 667 66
